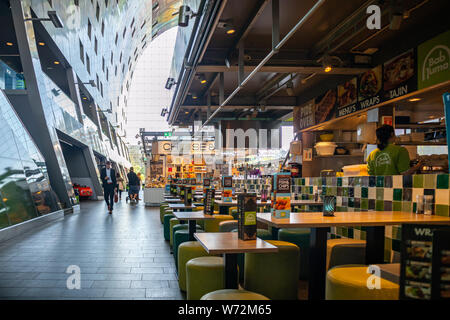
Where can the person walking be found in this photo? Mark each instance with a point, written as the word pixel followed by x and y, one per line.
pixel 120 185
pixel 108 177
pixel 134 185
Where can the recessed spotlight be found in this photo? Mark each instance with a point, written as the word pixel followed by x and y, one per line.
pixel 41 44
pixel 231 31
pixel 414 99
pixel 84 98
pixel 10 44
pixel 327 68
pixel 56 62
pixel 186 112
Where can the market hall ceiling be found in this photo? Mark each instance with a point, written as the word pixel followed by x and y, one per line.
pixel 296 73
pixel 112 33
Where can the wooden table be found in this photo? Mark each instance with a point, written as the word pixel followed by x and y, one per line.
pixel 229 245
pixel 390 271
pixel 192 217
pixel 375 221
pixel 180 206
pixel 223 206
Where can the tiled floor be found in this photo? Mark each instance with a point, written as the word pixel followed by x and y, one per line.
pixel 121 256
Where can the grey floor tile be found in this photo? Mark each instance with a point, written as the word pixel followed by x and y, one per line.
pixel 112 284
pixel 124 293
pixel 150 284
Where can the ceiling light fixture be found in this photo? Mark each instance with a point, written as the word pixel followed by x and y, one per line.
pixel 184 15
pixel 55 62
pixel 9 44
pixel 202 78
pixel 170 82
pixel 227 25
pixel 290 88
pixel 414 99
pixel 41 44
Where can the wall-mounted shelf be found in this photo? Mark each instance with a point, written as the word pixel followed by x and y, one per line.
pixel 341 156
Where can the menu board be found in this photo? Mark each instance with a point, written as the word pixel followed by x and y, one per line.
pixel 304 116
pixel 370 85
pixel 282 195
pixel 347 97
pixel 208 201
pixel 418 245
pixel 441 264
pixel 325 106
pixel 188 196
pixel 247 208
pixel 227 193
pixel 399 75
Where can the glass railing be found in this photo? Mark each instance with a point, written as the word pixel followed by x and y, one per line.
pixel 9 79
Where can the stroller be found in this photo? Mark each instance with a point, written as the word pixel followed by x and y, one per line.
pixel 133 194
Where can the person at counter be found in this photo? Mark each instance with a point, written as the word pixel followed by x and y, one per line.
pixel 389 159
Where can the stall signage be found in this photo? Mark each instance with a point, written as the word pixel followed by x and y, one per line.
pixel 183 147
pixel 347 98
pixel 433 61
pixel 304 116
pixel 399 75
pixel 370 85
pixel 325 106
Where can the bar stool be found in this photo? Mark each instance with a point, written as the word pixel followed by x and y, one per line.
pixel 233 294
pixel 172 222
pixel 212 225
pixel 204 275
pixel 345 251
pixel 167 218
pixel 186 251
pixel 180 236
pixel 349 282
pixel 228 226
pixel 274 275
pixel 300 237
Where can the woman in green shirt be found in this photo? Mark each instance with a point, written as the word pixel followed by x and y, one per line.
pixel 389 159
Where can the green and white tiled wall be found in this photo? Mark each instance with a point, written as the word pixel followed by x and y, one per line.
pixel 381 193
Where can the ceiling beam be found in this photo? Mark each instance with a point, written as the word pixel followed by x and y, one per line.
pixel 241 107
pixel 283 69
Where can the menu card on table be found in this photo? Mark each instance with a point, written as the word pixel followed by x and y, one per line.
pixel 187 196
pixel 227 192
pixel 282 195
pixel 208 201
pixel 418 280
pixel 247 216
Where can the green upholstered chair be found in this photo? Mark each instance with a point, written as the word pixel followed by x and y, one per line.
pixel 181 226
pixel 204 275
pixel 344 251
pixel 167 218
pixel 349 282
pixel 228 225
pixel 233 294
pixel 264 234
pixel 165 210
pixel 260 233
pixel 180 236
pixel 212 225
pixel 162 211
pixel 274 275
pixel 186 251
pixel 172 222
pixel 300 237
